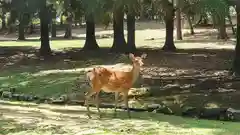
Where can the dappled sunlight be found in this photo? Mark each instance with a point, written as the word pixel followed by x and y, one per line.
pixel 148 123
pixel 120 66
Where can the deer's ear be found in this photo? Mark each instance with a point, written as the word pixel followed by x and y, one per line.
pixel 131 56
pixel 143 56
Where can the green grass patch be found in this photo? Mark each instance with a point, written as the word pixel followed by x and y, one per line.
pixel 56 44
pixel 47 79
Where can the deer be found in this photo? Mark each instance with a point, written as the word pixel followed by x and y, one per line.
pixel 110 81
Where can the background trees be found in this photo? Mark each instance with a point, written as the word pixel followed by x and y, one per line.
pixel 21 13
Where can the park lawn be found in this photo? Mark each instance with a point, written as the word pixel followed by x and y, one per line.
pixel 20 118
pixel 55 44
pixel 45 79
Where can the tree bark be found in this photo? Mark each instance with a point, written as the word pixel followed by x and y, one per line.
pixel 119 43
pixel 21 35
pixel 131 32
pixel 178 23
pixel 190 25
pixel 90 42
pixel 45 49
pixel 236 62
pixel 169 22
pixel 222 33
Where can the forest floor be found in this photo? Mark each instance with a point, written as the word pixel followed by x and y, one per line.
pixel 187 77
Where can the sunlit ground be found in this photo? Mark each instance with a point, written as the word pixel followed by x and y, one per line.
pixel 28 119
pixel 148 34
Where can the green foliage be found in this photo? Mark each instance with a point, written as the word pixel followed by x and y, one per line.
pixel 133 6
pixel 94 7
pixel 26 6
pixel 214 7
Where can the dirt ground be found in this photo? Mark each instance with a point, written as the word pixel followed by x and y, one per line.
pixel 27 119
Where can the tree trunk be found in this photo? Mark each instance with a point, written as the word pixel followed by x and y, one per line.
pixel 178 23
pixel 169 22
pixel 142 13
pixel 119 43
pixel 222 33
pixel 214 21
pixel 61 19
pixel 21 35
pixel 45 49
pixel 131 32
pixel 236 63
pixel 68 31
pixel 11 21
pixel 54 31
pixel 31 29
pixel 230 22
pixel 3 18
pixel 90 42
pixel 190 25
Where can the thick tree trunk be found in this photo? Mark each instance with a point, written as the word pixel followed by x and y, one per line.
pixel 119 43
pixel 169 22
pixel 236 63
pixel 45 49
pixel 178 19
pixel 131 32
pixel 21 35
pixel 222 33
pixel 190 25
pixel 90 42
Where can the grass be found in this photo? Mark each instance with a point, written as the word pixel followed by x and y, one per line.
pixel 20 118
pixel 42 78
pixel 55 44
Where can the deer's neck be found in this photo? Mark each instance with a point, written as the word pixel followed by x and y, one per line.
pixel 135 73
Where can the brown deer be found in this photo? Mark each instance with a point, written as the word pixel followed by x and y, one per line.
pixel 107 80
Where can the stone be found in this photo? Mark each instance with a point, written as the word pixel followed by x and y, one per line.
pixel 233 114
pixel 190 112
pixel 7 94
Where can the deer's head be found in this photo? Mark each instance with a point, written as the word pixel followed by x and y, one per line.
pixel 137 61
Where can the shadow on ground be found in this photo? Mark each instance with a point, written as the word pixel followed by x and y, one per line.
pixel 42 119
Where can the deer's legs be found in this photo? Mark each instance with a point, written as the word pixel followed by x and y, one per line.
pixel 87 96
pixel 116 103
pixel 97 103
pixel 125 96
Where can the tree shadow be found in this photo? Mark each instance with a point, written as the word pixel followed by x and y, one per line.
pixel 184 77
pixel 69 117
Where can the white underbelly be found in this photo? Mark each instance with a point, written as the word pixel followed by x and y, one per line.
pixel 106 89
